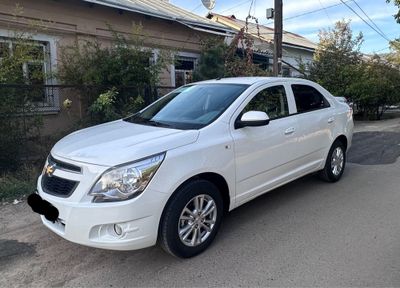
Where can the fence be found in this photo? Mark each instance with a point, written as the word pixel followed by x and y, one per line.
pixel 46 98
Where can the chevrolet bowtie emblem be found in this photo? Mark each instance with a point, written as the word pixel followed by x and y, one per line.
pixel 50 170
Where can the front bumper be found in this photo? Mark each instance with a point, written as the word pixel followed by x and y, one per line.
pixel 92 224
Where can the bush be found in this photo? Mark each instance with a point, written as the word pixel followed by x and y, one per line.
pixel 375 88
pixel 103 107
pixel 123 71
pixel 218 59
pixel 18 184
pixel 20 121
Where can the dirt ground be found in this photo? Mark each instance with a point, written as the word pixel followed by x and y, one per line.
pixel 307 233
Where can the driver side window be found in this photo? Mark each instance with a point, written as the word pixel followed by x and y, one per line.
pixel 272 101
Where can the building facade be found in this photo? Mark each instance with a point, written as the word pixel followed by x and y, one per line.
pixel 64 21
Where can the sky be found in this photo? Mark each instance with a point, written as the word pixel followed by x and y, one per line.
pixel 329 11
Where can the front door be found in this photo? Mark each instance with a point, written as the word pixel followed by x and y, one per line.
pixel 264 154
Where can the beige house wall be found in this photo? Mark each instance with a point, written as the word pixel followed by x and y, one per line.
pixel 65 21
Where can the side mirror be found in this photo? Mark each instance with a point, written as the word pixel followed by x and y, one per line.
pixel 252 119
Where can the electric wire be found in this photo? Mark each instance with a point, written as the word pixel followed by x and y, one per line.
pixel 326 12
pixel 373 23
pixel 308 12
pixel 233 7
pixel 197 7
pixel 366 22
pixel 251 5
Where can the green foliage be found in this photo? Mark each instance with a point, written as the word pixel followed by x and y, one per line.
pixel 394 55
pixel 102 109
pixel 18 184
pixel 212 60
pixel 19 118
pixel 397 3
pixel 123 63
pixel 220 60
pixel 338 66
pixel 236 66
pixel 376 86
pixel 371 83
pixel 336 59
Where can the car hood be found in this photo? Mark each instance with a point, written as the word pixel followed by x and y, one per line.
pixel 119 142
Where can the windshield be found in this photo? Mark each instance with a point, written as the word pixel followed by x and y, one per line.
pixel 189 107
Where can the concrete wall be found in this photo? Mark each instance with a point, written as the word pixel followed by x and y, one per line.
pixel 65 21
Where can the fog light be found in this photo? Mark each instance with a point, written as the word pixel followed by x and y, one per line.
pixel 118 229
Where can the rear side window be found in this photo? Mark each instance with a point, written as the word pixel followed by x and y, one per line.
pixel 308 98
pixel 272 101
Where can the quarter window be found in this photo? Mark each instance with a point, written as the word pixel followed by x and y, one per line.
pixel 272 101
pixel 308 98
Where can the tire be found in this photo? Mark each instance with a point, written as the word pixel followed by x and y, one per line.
pixel 329 173
pixel 176 219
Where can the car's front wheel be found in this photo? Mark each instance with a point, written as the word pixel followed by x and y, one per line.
pixel 191 219
pixel 335 163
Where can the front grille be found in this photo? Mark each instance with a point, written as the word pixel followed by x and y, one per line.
pixel 63 166
pixel 58 186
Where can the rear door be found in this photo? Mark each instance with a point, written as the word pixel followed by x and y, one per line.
pixel 315 116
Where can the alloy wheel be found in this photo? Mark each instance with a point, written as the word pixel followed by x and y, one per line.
pixel 197 220
pixel 337 161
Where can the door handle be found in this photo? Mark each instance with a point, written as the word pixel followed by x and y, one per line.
pixel 289 131
pixel 331 119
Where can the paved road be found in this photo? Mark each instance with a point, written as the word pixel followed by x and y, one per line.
pixel 307 233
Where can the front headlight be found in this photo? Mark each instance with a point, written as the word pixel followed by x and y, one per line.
pixel 127 181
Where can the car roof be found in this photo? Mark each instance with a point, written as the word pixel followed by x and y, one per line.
pixel 251 80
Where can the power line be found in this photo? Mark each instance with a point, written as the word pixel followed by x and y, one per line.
pixel 254 7
pixel 382 49
pixel 251 5
pixel 233 7
pixel 376 26
pixel 366 22
pixel 326 12
pixel 309 12
pixel 197 7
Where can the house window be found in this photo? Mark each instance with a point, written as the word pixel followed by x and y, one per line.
pixel 35 70
pixel 184 68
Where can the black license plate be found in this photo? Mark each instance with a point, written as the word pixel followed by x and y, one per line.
pixel 43 207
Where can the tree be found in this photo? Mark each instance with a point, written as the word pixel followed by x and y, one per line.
pixel 394 55
pixel 397 3
pixel 220 60
pixel 370 82
pixel 336 59
pixel 376 87
pixel 211 64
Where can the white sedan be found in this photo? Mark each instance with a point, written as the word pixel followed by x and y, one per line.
pixel 168 173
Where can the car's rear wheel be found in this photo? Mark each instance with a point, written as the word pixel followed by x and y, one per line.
pixel 191 219
pixel 335 163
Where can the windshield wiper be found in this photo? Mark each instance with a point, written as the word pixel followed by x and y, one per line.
pixel 138 120
pixel 157 123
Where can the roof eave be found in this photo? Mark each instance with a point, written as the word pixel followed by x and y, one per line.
pixel 156 15
pixel 291 45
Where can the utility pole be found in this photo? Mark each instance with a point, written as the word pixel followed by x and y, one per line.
pixel 278 29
